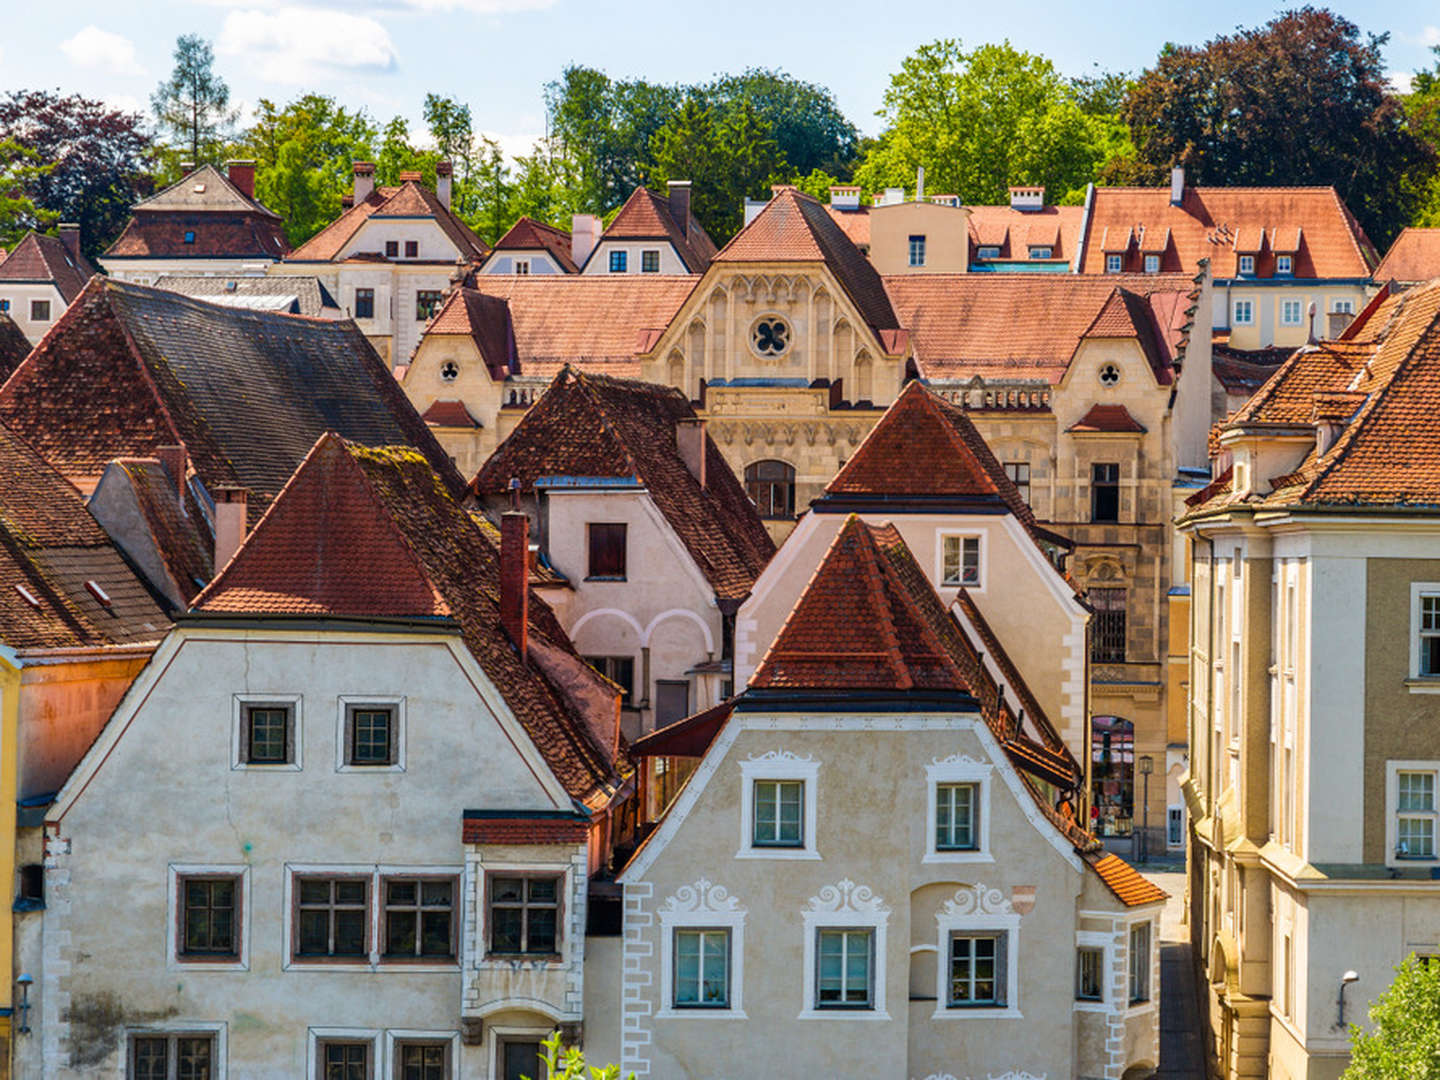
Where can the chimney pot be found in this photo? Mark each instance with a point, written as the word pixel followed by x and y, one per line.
pixel 70 237
pixel 230 508
pixel 364 180
pixel 242 176
pixel 174 461
pixel 515 578
pixel 1177 186
pixel 690 441
pixel 680 204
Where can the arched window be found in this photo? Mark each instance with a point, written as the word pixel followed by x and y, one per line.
pixel 771 487
pixel 1112 758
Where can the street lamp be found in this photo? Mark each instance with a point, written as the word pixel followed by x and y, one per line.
pixel 1147 766
pixel 1345 980
pixel 25 981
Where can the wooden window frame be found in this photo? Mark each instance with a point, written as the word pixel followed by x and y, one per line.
pixel 755 842
pixel 323 1044
pixel 353 710
pixel 427 303
pixel 383 907
pixel 392 249
pixel 1097 954
pixel 560 878
pixel 348 706
pixel 296 907
pixel 758 485
pixel 443 1043
pixel 1021 482
pixel 248 710
pixel 1104 477
pixel 231 955
pixel 49 310
pixel 412 249
pixel 607 573
pixel 134 1037
pixel 607 666
pixel 647 257
pixel 368 296
pixel 241 704
pixel 999 959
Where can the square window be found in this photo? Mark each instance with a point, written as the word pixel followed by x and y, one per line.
pixel 960 561
pixel 415 1060
pixel 1139 963
pixel 268 737
pixel 977 970
pixel 607 550
pixel 1244 312
pixel 427 302
pixel 371 737
pixel 1089 974
pixel 1105 492
pixel 1283 264
pixel 1292 312
pixel 412 249
pixel 1346 307
pixel 344 1059
pixel 1019 473
pixel 957 815
pixel 172 1056
pixel 209 915
pixel 522 266
pixel 702 969
pixel 618 669
pixel 917 251
pixel 650 262
pixel 1247 264
pixel 392 249
pixel 364 303
pixel 189 236
pixel 1112 264
pixel 419 918
pixel 524 914
pixel 779 813
pixel 332 915
pixel 1152 264
pixel 844 959
pixel 39 310
pixel 618 262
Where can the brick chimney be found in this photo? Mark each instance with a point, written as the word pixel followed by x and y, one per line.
pixel 515 577
pixel 174 460
pixel 230 506
pixel 70 237
pixel 364 180
pixel 242 176
pixel 680 205
pixel 443 173
pixel 690 441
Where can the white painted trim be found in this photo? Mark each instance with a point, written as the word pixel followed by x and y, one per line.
pixel 484 962
pixel 494 1036
pixel 945 532
pixel 1103 940
pixel 317 1035
pixel 1417 590
pixel 958 769
pixel 399 1035
pixel 845 905
pixel 1393 769
pixel 217 1028
pixel 977 909
pixel 684 613
pixel 237 741
pixel 345 702
pixel 174 872
pixel 778 765
pixel 624 616
pixel 702 906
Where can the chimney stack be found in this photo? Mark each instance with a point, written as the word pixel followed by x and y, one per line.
pixel 919 183
pixel 242 176
pixel 230 507
pixel 1310 322
pixel 515 575
pixel 690 441
pixel 1177 186
pixel 443 172
pixel 70 237
pixel 364 180
pixel 680 205
pixel 173 459
pixel 585 232
pixel 187 167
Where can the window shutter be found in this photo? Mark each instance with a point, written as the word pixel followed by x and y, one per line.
pixel 1002 969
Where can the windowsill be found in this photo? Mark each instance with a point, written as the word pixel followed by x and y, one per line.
pixel 266 766
pixel 1137 1008
pixel 369 768
pixel 701 1014
pixel 981 1012
pixel 958 857
pixel 606 577
pixel 526 958
pixel 843 1014
pixel 777 853
pixel 1090 1005
pixel 210 963
pixel 364 963
pixel 1423 684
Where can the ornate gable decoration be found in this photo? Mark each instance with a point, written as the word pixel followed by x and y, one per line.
pixel 977 900
pixel 703 896
pixel 781 757
pixel 845 895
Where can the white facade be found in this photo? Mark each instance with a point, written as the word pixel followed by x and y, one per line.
pixel 148 271
pixel 521 262
pixel 606 258
pixel 33 306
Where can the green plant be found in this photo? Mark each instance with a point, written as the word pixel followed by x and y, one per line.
pixel 568 1063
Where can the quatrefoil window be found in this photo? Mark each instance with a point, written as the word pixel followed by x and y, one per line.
pixel 1109 375
pixel 770 336
pixel 449 371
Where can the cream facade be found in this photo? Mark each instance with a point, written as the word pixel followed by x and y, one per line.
pixel 1277 313
pixel 449 368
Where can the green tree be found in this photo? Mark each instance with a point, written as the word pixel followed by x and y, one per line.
pixel 1422 109
pixel 1303 99
pixel 568 1063
pixel 454 135
pixel 193 105
pixel 980 121
pixel 20 171
pixel 398 154
pixel 803 118
pixel 1404 1043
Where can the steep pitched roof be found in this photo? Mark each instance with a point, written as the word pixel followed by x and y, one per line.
pixel 527 234
pixel 41 258
pixel 1015 232
pixel 963 325
pixel 14 346
pixel 373 532
pixel 410 199
pixel 486 320
pixel 180 534
pixel 220 220
pixel 1122 879
pixel 596 426
pixel 128 369
pixel 62 582
pixel 795 227
pixel 646 216
pixel 1311 224
pixel 1413 257
pixel 204 189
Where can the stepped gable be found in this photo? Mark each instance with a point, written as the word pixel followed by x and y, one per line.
pixel 527 234
pixel 373 532
pixel 39 258
pixel 646 216
pixel 410 199
pixel 14 346
pixel 588 426
pixel 486 320
pixel 128 369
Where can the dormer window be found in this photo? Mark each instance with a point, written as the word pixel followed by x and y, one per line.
pixel 1112 264
pixel 988 252
pixel 1152 264
pixel 189 236
pixel 1283 264
pixel 1247 265
pixel 619 261
pixel 1042 252
pixel 522 266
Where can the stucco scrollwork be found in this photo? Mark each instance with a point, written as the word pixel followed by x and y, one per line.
pixel 845 895
pixel 977 899
pixel 1013 1075
pixel 785 757
pixel 703 896
pixel 957 759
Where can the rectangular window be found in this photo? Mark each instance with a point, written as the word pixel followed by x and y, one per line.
pixel 957 811
pixel 422 1060
pixel 1112 264
pixel 1105 492
pixel 4 305
pixel 988 253
pixel 1430 634
pixel 1019 473
pixel 1139 963
pixel 1244 312
pixel 618 669
pixel 39 310
pixel 419 918
pixel 1152 264
pixel 1292 313
pixel 1107 628
pixel 1247 264
pixel 778 808
pixel 392 249
pixel 340 1060
pixel 650 262
pixel 525 915
pixel 1346 307
pixel 209 917
pixel 268 737
pixel 178 1056
pixel 1283 264
pixel 370 736
pixel 1175 826
pixel 977 970
pixel 960 560
pixel 1041 252
pixel 412 249
pixel 1415 805
pixel 189 236
pixel 917 251
pixel 427 302
pixel 672 701
pixel 519 1058
pixel 364 303
pixel 844 959
pixel 1089 974
pixel 331 915
pixel 522 266
pixel 702 969
pixel 618 262
pixel 607 550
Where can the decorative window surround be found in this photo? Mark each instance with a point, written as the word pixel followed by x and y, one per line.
pixel 778 765
pixel 958 769
pixel 320 1035
pixel 348 701
pixel 238 733
pixel 176 872
pixel 702 906
pixel 398 1035
pixel 1393 769
pixel 496 1036
pixel 849 906
pixel 1104 941
pixel 1419 682
pixel 216 1030
pixel 1153 986
pixel 976 909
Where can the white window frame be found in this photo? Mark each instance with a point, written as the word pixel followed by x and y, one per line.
pixel 875 922
pixel 237 734
pixel 1152 974
pixel 1152 264
pixel 915 245
pixel 987 251
pixel 1113 264
pixel 521 267
pixel 213 1028
pixel 941 536
pixel 348 701
pixel 1243 313
pixel 1393 769
pixel 963 770
pixel 1042 251
pixel 1246 266
pixel 1288 305
pixel 982 923
pixel 778 765
pixel 176 871
pixel 1342 305
pixel 317 1035
pixel 1104 942
pixel 1418 683
pixel 1284 264
pixel 731 921
pixel 395 1036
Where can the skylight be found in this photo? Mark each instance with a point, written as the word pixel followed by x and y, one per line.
pixel 27 596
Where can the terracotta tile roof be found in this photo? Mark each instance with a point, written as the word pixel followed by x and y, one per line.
pixel 646 216
pixel 46 258
pixel 853 223
pixel 596 322
pixel 182 536
pixel 963 325
pixel 410 199
pixel 1220 224
pixel 794 227
pixel 527 234
pixel 1125 881
pixel 1243 371
pixel 14 346
pixel 373 532
pixel 50 550
pixel 1108 418
pixel 502 827
pixel 486 320
pixel 1413 257
pixel 128 369
pixel 311 296
pixel 151 235
pixel 1014 232
pixel 596 426
pixel 449 414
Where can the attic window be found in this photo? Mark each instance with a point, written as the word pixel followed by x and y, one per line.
pixel 189 236
pixel 1041 253
pixel 988 253
pixel 230 286
pixel 449 371
pixel 198 189
pixel 1283 264
pixel 1247 264
pixel 1109 375
pixel 28 596
pixel 93 587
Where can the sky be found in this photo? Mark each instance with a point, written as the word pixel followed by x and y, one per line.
pixel 497 55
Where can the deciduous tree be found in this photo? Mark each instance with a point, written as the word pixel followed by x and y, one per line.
pixel 20 168
pixel 1404 1038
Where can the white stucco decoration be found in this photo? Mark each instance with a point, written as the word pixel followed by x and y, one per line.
pixel 845 895
pixel 977 900
pixel 703 896
pixel 959 759
pixel 779 757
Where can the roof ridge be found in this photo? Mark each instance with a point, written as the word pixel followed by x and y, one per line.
pixel 582 383
pixel 884 617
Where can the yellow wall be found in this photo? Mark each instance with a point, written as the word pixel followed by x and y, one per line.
pixel 947 238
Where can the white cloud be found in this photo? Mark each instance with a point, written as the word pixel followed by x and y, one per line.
pixel 1430 35
pixel 474 7
pixel 103 51
pixel 293 44
pixel 1400 82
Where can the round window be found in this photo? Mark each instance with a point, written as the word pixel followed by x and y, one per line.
pixel 770 336
pixel 449 371
pixel 1109 375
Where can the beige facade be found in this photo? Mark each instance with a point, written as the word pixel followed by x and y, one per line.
pixel 449 368
pixel 919 237
pixel 1276 314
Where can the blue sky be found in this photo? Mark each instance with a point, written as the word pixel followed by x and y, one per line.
pixel 498 54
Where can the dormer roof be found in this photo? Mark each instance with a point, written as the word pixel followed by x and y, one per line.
pixel 527 234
